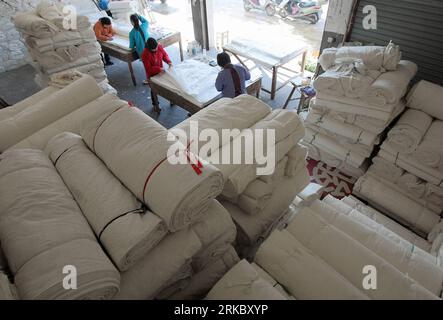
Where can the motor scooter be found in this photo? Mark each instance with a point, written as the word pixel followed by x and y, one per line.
pixel 299 9
pixel 264 5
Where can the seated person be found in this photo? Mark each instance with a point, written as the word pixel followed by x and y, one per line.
pixel 104 32
pixel 153 57
pixel 231 81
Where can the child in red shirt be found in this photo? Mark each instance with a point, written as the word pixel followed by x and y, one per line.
pixel 153 57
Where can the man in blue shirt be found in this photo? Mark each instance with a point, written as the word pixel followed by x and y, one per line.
pixel 231 81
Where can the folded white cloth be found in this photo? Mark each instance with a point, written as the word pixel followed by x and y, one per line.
pixel 350 79
pixel 430 150
pixel 31 24
pixel 412 213
pixel 412 165
pixel 121 223
pixel 48 110
pixel 10 111
pixel 355 107
pixel 177 283
pixel 42 231
pixel 426 96
pixel 147 277
pixel 419 265
pixel 409 131
pixel 333 147
pixel 243 282
pixel 350 259
pixel 330 122
pixel 391 86
pixel 53 12
pixel 138 155
pixel 374 57
pixel 203 280
pixel 286 260
pixel 61 40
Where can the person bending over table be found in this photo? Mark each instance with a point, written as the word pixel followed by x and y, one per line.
pixel 152 57
pixel 231 81
pixel 104 32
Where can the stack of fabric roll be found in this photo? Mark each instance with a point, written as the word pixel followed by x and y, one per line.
pixel 358 96
pixel 256 202
pixel 409 165
pixel 341 245
pixel 56 42
pixel 31 122
pixel 121 10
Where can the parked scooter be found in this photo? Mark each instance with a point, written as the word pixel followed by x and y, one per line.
pixel 299 9
pixel 264 5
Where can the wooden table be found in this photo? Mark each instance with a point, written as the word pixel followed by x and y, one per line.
pixel 130 55
pixel 275 67
pixel 253 87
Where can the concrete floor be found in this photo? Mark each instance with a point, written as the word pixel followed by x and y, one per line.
pixel 18 84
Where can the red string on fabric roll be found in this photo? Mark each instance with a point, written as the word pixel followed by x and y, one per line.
pixel 196 167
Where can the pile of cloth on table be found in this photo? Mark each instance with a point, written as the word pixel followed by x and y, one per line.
pixel 121 10
pixel 57 43
pixel 409 165
pixel 31 122
pixel 337 241
pixel 256 199
pixel 359 94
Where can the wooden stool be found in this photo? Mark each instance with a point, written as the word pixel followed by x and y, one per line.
pixel 297 83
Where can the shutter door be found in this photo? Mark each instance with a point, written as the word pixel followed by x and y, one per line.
pixel 415 25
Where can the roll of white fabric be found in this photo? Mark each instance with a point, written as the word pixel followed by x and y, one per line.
pixel 434 194
pixel 146 278
pixel 413 185
pixel 177 283
pixel 409 131
pixel 288 130
pixel 351 132
pixel 296 157
pixel 42 231
pixel 388 170
pixel 239 113
pixel 417 264
pixel 430 150
pixel 71 122
pixel 372 56
pixel 11 111
pixel 286 260
pixel 408 210
pixel 349 257
pixel 391 86
pixel 121 223
pixel 140 156
pixel 48 110
pixel 426 96
pixel 203 280
pixel 243 282
pixel 252 229
pixel 61 40
pixel 358 208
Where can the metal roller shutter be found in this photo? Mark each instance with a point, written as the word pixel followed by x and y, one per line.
pixel 415 25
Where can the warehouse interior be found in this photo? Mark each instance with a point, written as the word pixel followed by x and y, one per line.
pixel 221 150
